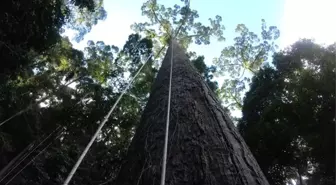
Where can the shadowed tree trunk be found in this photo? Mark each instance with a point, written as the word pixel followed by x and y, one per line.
pixel 204 146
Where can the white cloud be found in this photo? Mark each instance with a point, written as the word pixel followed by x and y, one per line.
pixel 313 19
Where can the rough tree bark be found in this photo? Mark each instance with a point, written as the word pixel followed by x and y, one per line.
pixel 204 146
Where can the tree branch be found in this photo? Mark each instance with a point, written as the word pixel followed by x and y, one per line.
pixel 184 20
pixel 196 35
pixel 155 16
pixel 35 103
pixel 236 101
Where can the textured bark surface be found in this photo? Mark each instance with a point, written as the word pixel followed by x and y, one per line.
pixel 204 146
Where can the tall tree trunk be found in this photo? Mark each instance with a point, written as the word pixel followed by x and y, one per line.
pixel 204 146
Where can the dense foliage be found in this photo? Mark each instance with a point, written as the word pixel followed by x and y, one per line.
pixel 289 115
pixel 243 59
pixel 53 96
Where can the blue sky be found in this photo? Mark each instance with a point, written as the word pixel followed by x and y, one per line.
pixel 295 18
pixel 121 14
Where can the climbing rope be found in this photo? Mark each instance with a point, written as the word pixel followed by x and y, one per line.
pixel 80 159
pixel 163 174
pixel 165 147
pixel 164 160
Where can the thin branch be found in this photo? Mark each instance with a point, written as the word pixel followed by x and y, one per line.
pixel 242 73
pixel 197 35
pixel 247 67
pixel 184 20
pixel 32 160
pixel 8 47
pixel 155 16
pixel 237 101
pixel 109 180
pixel 28 163
pixel 251 70
pixel 17 114
pixel 29 153
pixel 10 165
pixel 35 103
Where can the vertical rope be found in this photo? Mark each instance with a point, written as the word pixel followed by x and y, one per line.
pixel 165 147
pixel 164 160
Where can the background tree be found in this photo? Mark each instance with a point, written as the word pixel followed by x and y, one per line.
pixel 206 72
pixel 239 62
pixel 30 28
pixel 60 92
pixel 166 21
pixel 288 115
pixel 56 120
pixel 100 80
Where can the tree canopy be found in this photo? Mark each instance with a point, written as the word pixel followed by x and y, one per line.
pixel 52 96
pixel 243 59
pixel 289 115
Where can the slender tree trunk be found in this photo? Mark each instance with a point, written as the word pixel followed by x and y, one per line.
pixel 204 146
pixel 15 159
